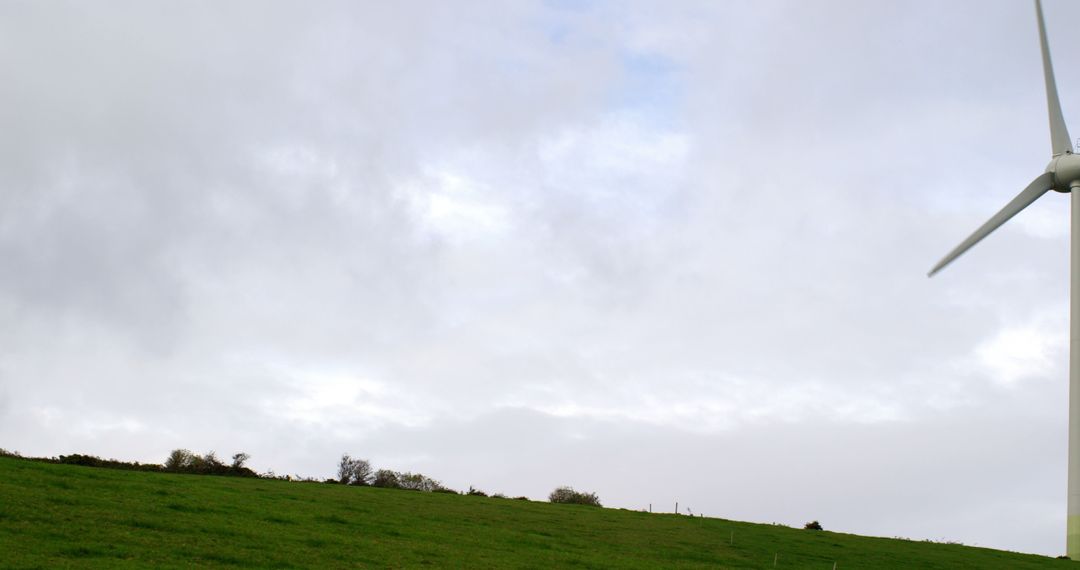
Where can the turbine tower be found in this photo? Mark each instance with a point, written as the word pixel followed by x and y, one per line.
pixel 1062 175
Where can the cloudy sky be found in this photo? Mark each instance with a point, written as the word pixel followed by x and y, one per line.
pixel 661 251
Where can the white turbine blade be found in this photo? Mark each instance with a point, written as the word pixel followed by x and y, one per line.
pixel 1059 135
pixel 1037 188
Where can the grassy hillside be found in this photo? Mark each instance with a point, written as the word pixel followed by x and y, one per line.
pixel 71 516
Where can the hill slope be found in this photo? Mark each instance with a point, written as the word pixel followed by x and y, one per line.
pixel 71 516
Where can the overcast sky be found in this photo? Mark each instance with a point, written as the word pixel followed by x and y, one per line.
pixel 663 251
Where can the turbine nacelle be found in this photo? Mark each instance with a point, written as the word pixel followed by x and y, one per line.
pixel 1066 171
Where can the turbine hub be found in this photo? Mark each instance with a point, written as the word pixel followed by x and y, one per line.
pixel 1066 170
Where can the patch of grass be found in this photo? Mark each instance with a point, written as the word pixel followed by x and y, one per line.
pixel 222 558
pixel 67 515
pixel 146 524
pixel 333 519
pixel 58 484
pixel 183 508
pixel 83 551
pixel 316 542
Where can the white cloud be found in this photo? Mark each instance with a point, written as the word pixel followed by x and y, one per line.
pixel 451 206
pixel 333 401
pixel 1032 351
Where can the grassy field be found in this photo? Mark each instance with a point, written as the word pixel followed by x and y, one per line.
pixel 57 516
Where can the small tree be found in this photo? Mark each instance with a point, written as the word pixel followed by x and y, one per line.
pixel 569 495
pixel 238 460
pixel 210 464
pixel 344 470
pixel 354 471
pixel 813 525
pixel 179 460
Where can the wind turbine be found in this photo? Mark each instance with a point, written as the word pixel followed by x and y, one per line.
pixel 1062 175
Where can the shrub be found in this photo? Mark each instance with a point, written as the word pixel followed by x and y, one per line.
pixel 417 482
pixel 474 492
pixel 387 479
pixel 94 461
pixel 813 525
pixel 184 461
pixel 569 495
pixel 208 464
pixel 80 459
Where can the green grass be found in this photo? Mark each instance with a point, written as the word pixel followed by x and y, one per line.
pixel 59 516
